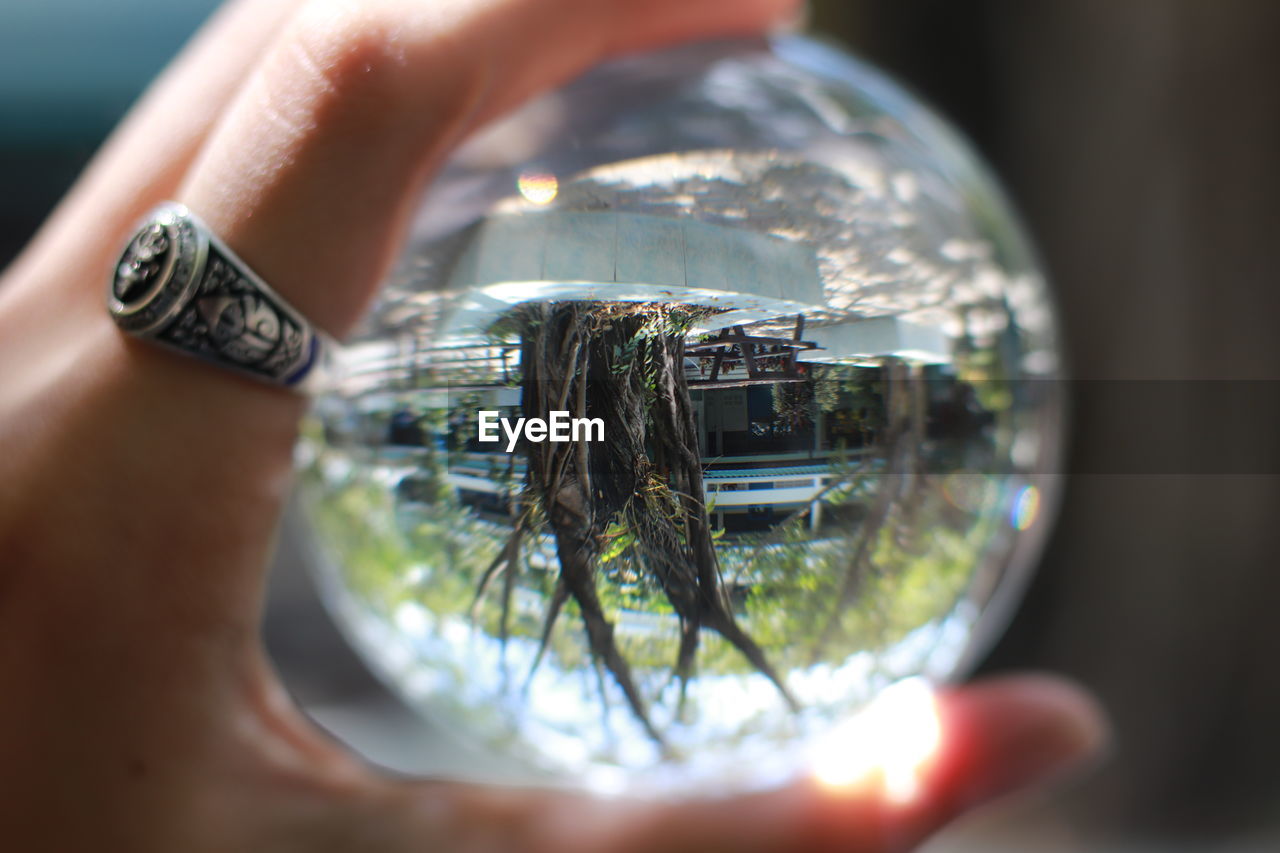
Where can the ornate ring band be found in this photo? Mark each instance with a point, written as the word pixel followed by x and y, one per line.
pixel 178 285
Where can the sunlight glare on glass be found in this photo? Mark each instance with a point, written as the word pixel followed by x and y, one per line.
pixel 538 187
pixel 889 744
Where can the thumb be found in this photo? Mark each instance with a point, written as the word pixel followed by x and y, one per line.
pixel 989 739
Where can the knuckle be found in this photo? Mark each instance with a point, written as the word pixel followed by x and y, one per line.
pixel 348 48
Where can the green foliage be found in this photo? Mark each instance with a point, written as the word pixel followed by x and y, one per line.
pixel 618 539
pixel 982 369
pixel 795 577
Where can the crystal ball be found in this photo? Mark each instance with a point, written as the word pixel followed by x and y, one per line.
pixel 713 394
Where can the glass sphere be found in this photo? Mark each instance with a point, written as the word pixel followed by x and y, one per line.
pixel 711 396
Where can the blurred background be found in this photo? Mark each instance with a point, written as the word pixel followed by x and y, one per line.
pixel 1141 140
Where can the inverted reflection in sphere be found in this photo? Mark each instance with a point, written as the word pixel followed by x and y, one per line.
pixel 799 359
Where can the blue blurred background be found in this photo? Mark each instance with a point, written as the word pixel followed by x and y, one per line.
pixel 68 70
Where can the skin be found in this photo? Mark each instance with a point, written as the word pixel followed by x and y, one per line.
pixel 139 491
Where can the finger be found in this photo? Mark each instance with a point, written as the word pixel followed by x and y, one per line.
pixel 178 470
pixel 311 174
pixel 1011 732
pixel 147 155
pixel 308 177
pixel 996 737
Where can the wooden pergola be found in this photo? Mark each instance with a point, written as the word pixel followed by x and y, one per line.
pixel 767 359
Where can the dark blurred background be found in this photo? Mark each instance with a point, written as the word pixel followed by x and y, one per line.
pixel 1141 140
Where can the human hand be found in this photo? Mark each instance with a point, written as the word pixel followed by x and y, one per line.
pixel 139 491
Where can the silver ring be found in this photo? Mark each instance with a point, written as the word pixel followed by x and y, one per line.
pixel 176 284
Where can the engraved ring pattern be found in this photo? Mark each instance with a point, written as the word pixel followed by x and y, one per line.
pixel 176 284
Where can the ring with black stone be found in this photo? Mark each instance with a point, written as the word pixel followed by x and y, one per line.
pixel 176 284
